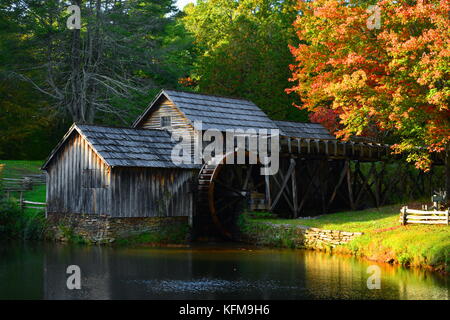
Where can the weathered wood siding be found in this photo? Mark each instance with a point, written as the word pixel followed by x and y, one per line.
pixel 78 181
pixel 151 192
pixel 180 124
pixel 69 184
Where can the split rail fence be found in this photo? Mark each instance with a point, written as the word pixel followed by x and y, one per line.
pixel 20 185
pixel 412 216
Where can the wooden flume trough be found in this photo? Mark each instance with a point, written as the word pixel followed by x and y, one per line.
pixel 317 176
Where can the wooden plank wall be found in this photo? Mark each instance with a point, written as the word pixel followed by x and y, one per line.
pixel 125 192
pixel 151 192
pixel 66 191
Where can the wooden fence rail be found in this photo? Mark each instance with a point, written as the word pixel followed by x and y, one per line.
pixel 22 184
pixel 24 204
pixel 32 204
pixel 412 216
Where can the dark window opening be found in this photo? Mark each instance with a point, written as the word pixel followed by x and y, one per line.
pixel 93 178
pixel 166 121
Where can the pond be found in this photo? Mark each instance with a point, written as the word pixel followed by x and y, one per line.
pixel 213 271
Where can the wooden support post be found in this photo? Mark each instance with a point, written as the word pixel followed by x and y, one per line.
pixel 447 172
pixel 21 204
pixel 350 189
pixel 323 183
pixel 341 179
pixel 308 188
pixel 447 214
pixel 247 177
pixel 287 194
pixel 283 185
pixel 268 199
pixel 365 186
pixel 403 215
pixel 294 191
pixel 379 183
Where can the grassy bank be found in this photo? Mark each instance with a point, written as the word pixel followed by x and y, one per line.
pixel 384 238
pixel 16 223
pixel 167 235
pixel 19 168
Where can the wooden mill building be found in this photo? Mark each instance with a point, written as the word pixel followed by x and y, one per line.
pixel 111 182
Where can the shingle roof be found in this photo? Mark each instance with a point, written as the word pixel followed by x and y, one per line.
pixel 216 112
pixel 130 147
pixel 304 130
pixel 123 147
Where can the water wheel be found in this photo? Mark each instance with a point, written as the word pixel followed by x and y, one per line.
pixel 224 192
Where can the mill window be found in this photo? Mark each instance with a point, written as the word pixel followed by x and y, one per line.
pixel 93 178
pixel 166 121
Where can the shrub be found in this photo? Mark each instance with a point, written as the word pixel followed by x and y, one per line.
pixel 10 218
pixel 16 223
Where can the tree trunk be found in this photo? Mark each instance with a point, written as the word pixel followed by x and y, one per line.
pixel 77 103
pixel 447 172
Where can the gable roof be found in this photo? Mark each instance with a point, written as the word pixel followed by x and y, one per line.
pixel 304 130
pixel 215 112
pixel 126 147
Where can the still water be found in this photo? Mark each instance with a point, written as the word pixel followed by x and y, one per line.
pixel 203 272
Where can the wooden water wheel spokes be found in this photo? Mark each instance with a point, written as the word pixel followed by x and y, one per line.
pixel 227 188
pixel 228 197
pixel 237 192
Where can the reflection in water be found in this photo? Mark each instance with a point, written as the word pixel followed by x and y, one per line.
pixel 203 272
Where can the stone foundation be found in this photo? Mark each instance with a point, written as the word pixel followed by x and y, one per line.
pixel 105 229
pixel 315 237
pixel 287 235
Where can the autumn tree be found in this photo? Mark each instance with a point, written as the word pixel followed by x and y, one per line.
pixel 387 79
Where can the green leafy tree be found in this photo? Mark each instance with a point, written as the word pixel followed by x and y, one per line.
pixel 27 126
pixel 115 56
pixel 106 72
pixel 242 49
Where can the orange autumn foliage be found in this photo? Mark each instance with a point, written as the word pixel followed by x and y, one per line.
pixel 391 81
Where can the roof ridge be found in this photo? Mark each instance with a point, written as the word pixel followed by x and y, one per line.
pixel 113 127
pixel 290 121
pixel 210 95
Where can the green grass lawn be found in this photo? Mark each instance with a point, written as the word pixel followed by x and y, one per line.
pixel 17 169
pixel 384 238
pixel 352 221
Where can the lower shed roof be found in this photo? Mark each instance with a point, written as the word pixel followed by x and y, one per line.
pixel 126 147
pixel 304 130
